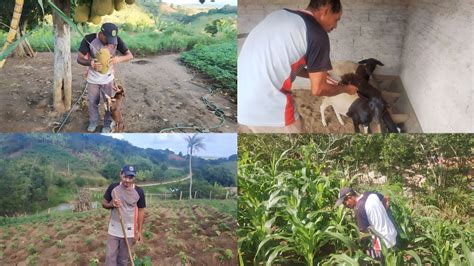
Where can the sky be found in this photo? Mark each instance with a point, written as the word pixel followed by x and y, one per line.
pixel 208 2
pixel 217 144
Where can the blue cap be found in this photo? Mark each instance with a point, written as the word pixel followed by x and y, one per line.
pixel 343 194
pixel 110 31
pixel 129 170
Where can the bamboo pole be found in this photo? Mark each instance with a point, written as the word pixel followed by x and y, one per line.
pixel 124 232
pixel 13 27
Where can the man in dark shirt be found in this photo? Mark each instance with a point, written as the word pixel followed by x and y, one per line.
pixel 371 212
pixel 131 201
pixel 98 83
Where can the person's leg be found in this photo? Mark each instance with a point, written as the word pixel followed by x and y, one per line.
pixel 112 250
pixel 106 89
pixel 123 258
pixel 93 94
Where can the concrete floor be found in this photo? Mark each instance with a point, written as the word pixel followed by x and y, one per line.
pixel 402 105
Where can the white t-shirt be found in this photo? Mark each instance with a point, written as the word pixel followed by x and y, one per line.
pixel 378 218
pixel 274 52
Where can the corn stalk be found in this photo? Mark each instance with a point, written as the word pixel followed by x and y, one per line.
pixel 13 28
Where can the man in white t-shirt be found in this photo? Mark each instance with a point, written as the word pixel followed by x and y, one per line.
pixel 371 212
pixel 97 83
pixel 131 200
pixel 286 44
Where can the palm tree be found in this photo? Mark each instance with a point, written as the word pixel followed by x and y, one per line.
pixel 195 143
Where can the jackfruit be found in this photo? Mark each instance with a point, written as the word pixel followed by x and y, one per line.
pixel 119 4
pixel 103 57
pixel 95 19
pixel 102 7
pixel 81 14
pixel 129 1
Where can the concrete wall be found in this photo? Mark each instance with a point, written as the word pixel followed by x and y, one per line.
pixel 437 64
pixel 368 28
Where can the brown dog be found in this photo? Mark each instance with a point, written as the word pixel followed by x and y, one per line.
pixel 115 104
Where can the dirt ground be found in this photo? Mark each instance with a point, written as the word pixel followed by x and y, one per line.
pixel 175 233
pixel 308 108
pixel 160 93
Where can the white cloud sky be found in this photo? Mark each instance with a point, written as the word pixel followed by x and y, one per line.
pixel 217 144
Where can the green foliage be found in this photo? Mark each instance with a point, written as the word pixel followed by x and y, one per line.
pixel 80 181
pixel 286 209
pixel 111 171
pixel 145 261
pixel 31 249
pixel 143 32
pixel 218 61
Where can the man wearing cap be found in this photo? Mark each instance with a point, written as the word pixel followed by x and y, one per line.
pixel 371 211
pixel 131 201
pixel 98 83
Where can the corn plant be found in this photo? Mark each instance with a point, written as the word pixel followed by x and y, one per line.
pixel 287 189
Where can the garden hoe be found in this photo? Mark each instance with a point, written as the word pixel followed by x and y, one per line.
pixel 124 233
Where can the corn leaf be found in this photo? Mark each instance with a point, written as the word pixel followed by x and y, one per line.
pixel 12 47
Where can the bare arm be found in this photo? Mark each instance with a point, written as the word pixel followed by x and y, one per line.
pixel 320 87
pixel 122 58
pixel 386 202
pixel 83 60
pixel 107 205
pixel 111 204
pixel 303 73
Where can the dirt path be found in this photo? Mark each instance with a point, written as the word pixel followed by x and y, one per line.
pixel 160 93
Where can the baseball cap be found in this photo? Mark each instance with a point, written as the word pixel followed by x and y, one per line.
pixel 110 31
pixel 129 170
pixel 343 193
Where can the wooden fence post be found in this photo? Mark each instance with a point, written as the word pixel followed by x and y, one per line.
pixel 180 195
pixel 165 195
pixel 227 194
pixel 195 193
pixel 210 194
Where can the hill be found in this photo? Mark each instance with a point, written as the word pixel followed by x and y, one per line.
pixel 45 170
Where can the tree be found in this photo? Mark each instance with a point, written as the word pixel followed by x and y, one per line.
pixel 13 27
pixel 32 13
pixel 62 77
pixel 111 171
pixel 195 143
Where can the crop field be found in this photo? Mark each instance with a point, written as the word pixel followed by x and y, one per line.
pixel 286 212
pixel 175 233
pixel 218 61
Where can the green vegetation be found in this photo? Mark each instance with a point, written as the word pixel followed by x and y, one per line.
pixel 46 170
pixel 218 61
pixel 286 211
pixel 144 28
pixel 223 206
